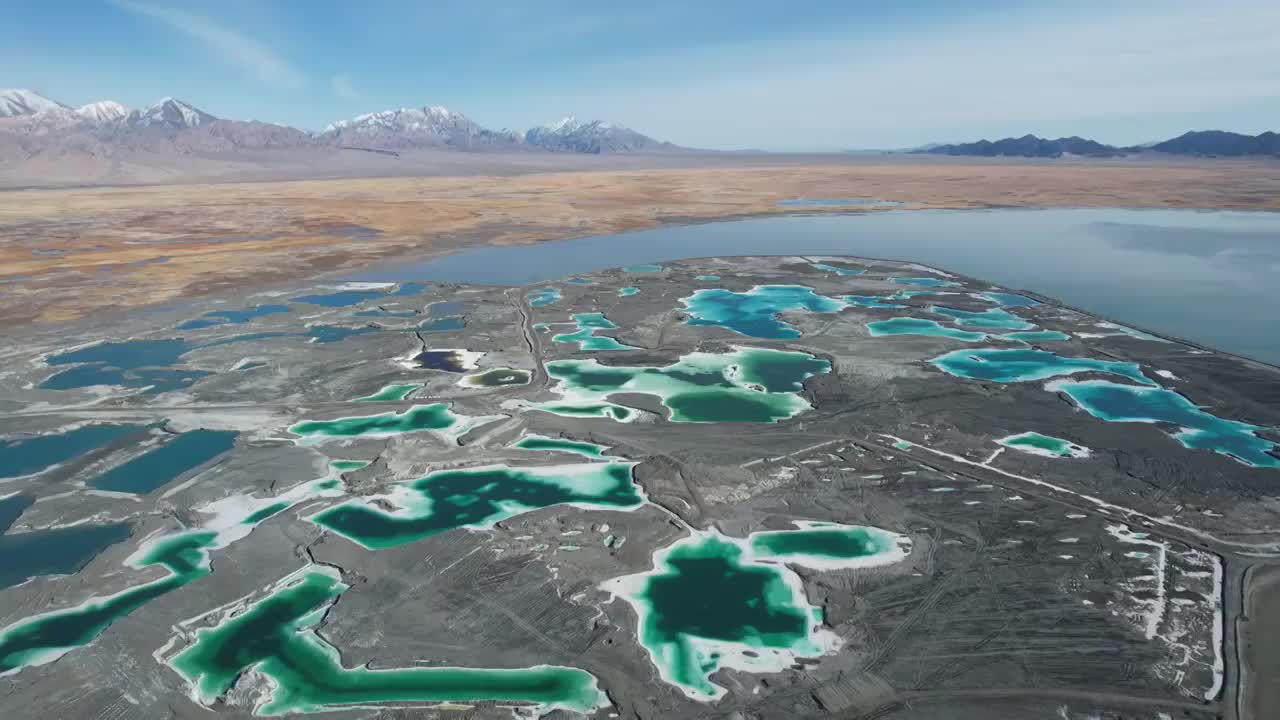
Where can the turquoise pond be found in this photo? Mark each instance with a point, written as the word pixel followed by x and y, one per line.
pixel 1115 402
pixel 755 313
pixel 917 326
pixel 1036 335
pixel 543 296
pixel 158 467
pixel 232 317
pixel 347 298
pixel 993 319
pixel 25 455
pixel 1024 365
pixel 627 291
pixel 585 336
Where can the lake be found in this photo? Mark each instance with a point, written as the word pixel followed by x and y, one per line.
pixel 1210 277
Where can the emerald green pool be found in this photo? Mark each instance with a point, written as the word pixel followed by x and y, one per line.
pixel 478 498
pixel 918 326
pixel 838 270
pixel 390 393
pixel 585 336
pixel 577 447
pixel 755 313
pixel 276 637
pixel 436 416
pixel 746 385
pixel 1036 444
pixel 713 602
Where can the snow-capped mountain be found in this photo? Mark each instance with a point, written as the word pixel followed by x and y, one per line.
pixel 593 136
pixel 169 113
pixel 102 112
pixel 434 125
pixel 18 102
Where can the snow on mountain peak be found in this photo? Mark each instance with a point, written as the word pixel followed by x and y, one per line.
pixel 170 113
pixel 103 111
pixel 17 102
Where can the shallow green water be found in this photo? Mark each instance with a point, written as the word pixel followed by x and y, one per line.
pixel 628 291
pixel 707 278
pixel 390 393
pixel 585 336
pixel 478 498
pixel 838 270
pixel 1025 365
pixel 436 416
pixel 25 455
pixel 276 637
pixel 818 540
pixel 1005 299
pixel 1037 444
pixel 991 319
pixel 578 447
pixel 755 313
pixel 161 466
pixel 712 601
pixel 267 512
pixel 746 385
pixel 497 377
pixel 918 326
pixel 1114 402
pixel 600 410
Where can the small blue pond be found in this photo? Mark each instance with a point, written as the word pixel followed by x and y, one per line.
pixel 754 313
pixel 162 465
pixel 917 326
pixel 27 455
pixel 1024 365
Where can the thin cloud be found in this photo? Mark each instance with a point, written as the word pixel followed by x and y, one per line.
pixel 342 87
pixel 235 47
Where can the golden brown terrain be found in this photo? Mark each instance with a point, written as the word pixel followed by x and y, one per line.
pixel 68 253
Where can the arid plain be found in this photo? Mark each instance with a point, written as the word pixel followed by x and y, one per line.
pixel 68 253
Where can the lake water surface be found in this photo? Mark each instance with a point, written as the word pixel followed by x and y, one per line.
pixel 1211 277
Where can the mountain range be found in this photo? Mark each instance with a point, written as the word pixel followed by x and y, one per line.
pixel 36 124
pixel 1206 143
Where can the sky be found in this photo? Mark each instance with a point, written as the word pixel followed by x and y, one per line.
pixel 794 75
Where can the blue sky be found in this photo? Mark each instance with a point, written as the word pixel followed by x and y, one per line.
pixel 795 75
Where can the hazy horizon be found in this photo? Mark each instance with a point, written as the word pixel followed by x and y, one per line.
pixel 817 77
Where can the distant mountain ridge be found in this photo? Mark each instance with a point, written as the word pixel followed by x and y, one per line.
pixel 36 124
pixel 1209 143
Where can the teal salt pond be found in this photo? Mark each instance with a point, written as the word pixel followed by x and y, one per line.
pixel 543 296
pixel 993 319
pixel 60 551
pixel 479 497
pixel 130 363
pixel 713 602
pixel 585 336
pixel 917 326
pixel 32 454
pixel 577 447
pixel 276 637
pixel 390 393
pixel 184 555
pixel 1036 335
pixel 746 385
pixel 232 317
pixel 1005 299
pixel 1006 366
pixel 436 416
pixel 627 291
pixel 755 313
pixel 1034 443
pixel 161 466
pixel 1197 429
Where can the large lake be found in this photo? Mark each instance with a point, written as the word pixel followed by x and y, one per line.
pixel 1211 277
